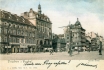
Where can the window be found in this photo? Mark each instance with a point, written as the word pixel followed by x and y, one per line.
pixel 17 40
pixel 14 39
pixel 0 30
pixel 5 39
pixel 14 32
pixel 11 31
pixel 5 31
pixel 22 40
pixel 11 40
pixel 37 41
pixel 67 37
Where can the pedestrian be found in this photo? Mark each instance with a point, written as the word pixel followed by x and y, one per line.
pixel 51 52
pixel 78 50
pixel 100 52
pixel 70 51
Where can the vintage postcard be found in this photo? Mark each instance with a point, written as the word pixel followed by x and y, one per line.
pixel 51 34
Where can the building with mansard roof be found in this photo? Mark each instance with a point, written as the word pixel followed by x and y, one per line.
pixel 17 34
pixel 43 25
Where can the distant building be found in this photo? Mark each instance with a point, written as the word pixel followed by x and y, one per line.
pixel 92 34
pixel 88 43
pixel 61 45
pixel 54 42
pixel 67 36
pixel 94 45
pixel 96 40
pixel 43 25
pixel 103 44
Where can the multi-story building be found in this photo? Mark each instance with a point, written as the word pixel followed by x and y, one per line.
pixel 67 31
pixel 103 44
pixel 94 44
pixel 88 43
pixel 92 34
pixel 43 25
pixel 61 45
pixel 96 40
pixel 76 35
pixel 17 34
pixel 54 42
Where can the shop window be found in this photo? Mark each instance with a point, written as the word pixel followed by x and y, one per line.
pixel 5 39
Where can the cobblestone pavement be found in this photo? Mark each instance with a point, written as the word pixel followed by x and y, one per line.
pixel 56 56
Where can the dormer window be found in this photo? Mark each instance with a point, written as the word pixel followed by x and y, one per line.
pixel 3 14
pixel 37 16
pixel 23 19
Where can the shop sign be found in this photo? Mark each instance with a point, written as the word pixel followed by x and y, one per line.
pixel 7 46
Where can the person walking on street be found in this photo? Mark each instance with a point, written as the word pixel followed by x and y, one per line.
pixel 100 52
pixel 100 49
pixel 70 51
pixel 51 52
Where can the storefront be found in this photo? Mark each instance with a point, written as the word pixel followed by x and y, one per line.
pixel 7 49
pixel 23 48
pixel 15 48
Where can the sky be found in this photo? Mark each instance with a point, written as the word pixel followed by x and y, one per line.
pixel 89 12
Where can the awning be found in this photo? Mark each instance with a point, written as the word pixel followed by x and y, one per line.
pixel 23 46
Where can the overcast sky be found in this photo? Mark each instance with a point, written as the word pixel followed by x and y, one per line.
pixel 60 12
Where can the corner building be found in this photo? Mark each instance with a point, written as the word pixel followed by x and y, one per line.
pixel 17 34
pixel 43 26
pixel 75 36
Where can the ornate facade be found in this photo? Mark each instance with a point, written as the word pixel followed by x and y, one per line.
pixel 75 35
pixel 43 25
pixel 17 34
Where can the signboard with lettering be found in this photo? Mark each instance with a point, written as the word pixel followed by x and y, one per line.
pixel 7 46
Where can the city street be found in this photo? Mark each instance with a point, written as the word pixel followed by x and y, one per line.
pixel 56 56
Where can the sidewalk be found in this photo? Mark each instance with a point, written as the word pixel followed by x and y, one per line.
pixel 56 56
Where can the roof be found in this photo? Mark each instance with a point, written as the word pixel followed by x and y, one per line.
pixel 77 25
pixel 94 39
pixel 61 35
pixel 77 22
pixel 38 16
pixel 14 17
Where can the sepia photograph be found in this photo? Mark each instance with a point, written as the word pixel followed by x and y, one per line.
pixel 49 31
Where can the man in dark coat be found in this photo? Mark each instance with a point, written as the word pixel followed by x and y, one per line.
pixel 100 48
